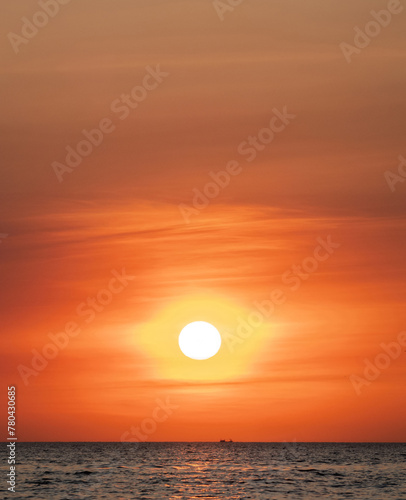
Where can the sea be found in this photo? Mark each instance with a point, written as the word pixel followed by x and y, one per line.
pixel 260 471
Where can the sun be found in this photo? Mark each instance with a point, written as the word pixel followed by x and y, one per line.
pixel 199 340
pixel 237 346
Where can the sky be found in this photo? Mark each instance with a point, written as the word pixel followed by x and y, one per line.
pixel 244 170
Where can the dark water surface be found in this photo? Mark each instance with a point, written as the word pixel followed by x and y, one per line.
pixel 208 471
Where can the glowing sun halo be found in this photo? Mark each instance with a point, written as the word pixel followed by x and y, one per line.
pixel 199 340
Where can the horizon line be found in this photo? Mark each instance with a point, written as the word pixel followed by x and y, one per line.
pixel 232 442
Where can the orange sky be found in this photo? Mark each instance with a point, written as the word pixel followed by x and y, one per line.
pixel 321 178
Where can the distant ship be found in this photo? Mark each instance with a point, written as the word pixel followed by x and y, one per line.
pixel 224 441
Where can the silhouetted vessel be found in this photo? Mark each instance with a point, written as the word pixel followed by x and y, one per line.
pixel 224 441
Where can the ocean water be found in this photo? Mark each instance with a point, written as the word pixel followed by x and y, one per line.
pixel 187 471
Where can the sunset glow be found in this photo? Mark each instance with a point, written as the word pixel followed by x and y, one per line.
pixel 162 167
